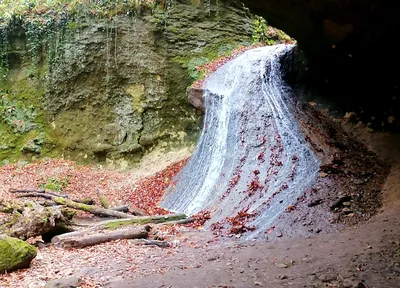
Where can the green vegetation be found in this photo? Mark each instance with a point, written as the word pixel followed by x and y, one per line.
pixel 267 35
pixel 193 64
pixel 42 19
pixel 55 184
pixel 259 30
pixel 16 115
pixel 40 9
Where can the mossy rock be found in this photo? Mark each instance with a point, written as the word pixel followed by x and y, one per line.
pixel 15 254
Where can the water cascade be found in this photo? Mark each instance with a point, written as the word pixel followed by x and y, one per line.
pixel 251 158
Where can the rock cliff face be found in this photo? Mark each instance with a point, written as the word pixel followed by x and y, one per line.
pixel 350 51
pixel 104 90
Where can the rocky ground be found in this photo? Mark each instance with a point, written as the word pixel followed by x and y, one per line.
pixel 364 253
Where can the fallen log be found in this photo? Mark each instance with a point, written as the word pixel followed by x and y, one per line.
pixel 115 224
pixel 42 193
pixel 35 220
pixel 80 241
pixel 74 234
pixel 27 191
pixel 87 200
pixel 99 211
pixel 103 201
pixel 137 211
pixel 122 208
pixel 157 219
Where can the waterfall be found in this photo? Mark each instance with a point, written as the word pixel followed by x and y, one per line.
pixel 251 155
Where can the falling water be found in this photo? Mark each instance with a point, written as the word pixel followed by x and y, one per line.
pixel 251 155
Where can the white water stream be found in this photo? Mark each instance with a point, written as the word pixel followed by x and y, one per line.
pixel 249 137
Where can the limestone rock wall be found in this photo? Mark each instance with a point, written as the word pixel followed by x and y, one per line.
pixel 114 89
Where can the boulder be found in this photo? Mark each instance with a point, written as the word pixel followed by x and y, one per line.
pixel 15 254
pixel 69 282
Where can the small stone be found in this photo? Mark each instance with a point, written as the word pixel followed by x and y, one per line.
pixel 325 278
pixel 346 203
pixel 323 174
pixel 282 277
pixel 281 265
pixel 68 282
pixel 348 283
pixel 346 210
pixel 258 283
pixel 358 181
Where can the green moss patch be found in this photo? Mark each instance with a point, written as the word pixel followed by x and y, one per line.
pixel 15 254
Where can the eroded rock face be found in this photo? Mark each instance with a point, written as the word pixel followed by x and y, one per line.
pixel 15 254
pixel 349 46
pixel 117 88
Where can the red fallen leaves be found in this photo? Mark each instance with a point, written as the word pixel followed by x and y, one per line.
pixel 261 157
pixel 290 208
pixel 239 221
pixel 86 181
pixel 212 66
pixel 149 191
pixel 200 218
pixel 254 186
pixel 270 230
pixel 233 181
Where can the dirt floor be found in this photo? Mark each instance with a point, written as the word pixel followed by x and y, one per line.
pixel 361 254
pixel 367 255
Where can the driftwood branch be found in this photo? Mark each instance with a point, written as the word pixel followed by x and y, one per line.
pixel 79 206
pixel 35 193
pixel 27 191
